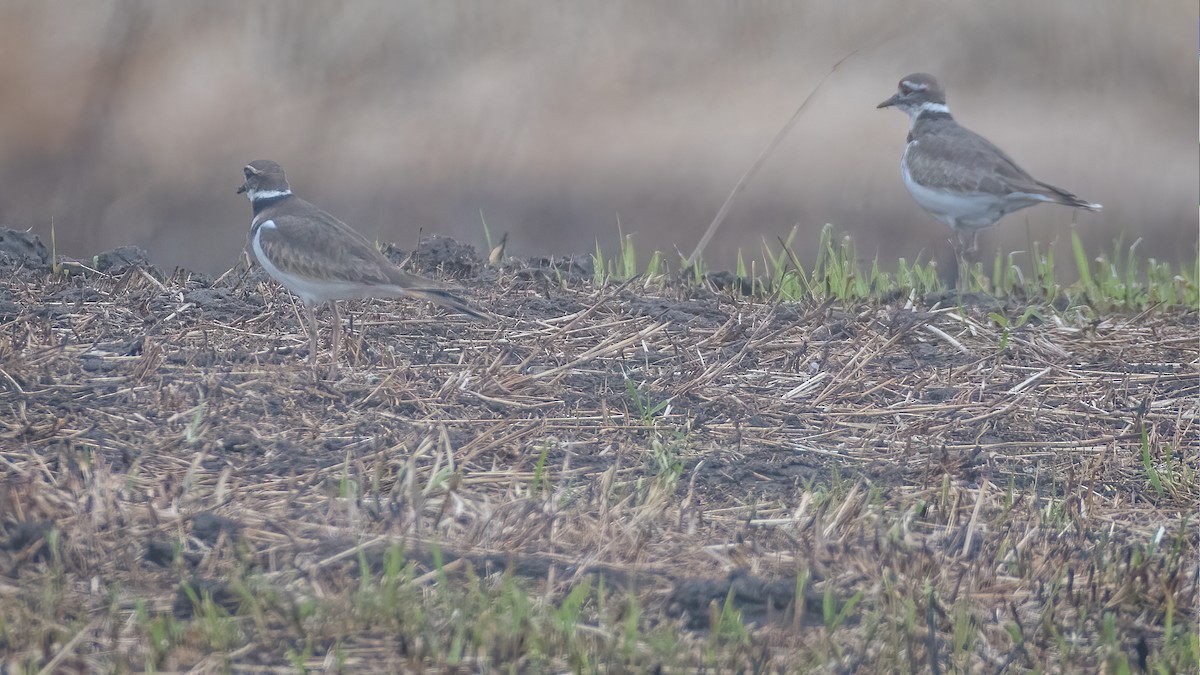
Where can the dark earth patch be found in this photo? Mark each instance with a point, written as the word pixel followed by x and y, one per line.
pixel 688 445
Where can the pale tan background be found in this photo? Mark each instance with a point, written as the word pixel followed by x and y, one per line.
pixel 128 122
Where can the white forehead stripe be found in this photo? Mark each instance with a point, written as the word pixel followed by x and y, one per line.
pixel 918 86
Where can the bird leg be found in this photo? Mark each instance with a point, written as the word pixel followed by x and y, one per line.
pixel 335 338
pixel 962 259
pixel 310 317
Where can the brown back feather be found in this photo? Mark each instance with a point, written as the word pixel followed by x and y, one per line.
pixel 309 242
pixel 951 157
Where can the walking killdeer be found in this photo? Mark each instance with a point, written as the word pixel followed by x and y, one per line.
pixel 957 175
pixel 320 259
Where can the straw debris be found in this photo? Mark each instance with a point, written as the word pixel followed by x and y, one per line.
pixel 765 485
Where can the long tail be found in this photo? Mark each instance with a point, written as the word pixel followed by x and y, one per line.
pixel 1061 196
pixel 444 298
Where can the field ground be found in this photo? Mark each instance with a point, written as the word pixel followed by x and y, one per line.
pixel 616 478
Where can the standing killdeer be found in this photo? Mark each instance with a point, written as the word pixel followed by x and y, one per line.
pixel 320 259
pixel 957 175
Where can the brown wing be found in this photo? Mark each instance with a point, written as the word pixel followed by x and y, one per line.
pixel 311 243
pixel 964 161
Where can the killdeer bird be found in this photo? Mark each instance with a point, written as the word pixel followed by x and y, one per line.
pixel 320 259
pixel 960 177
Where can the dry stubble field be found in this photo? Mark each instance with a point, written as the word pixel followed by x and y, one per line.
pixel 624 478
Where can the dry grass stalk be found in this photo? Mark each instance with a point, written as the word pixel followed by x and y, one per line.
pixel 155 431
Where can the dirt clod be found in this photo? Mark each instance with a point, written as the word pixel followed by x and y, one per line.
pixel 122 258
pixel 22 250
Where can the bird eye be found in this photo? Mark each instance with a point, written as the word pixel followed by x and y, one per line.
pixel 248 172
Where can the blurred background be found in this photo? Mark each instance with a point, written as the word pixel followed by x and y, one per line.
pixel 128 122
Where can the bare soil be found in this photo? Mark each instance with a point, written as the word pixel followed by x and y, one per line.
pixel 689 446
